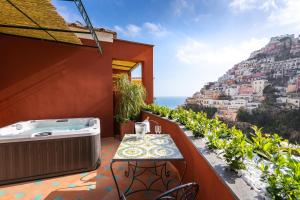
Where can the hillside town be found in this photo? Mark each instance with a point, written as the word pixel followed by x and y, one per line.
pixel 276 65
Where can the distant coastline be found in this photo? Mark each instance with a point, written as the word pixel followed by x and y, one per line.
pixel 170 101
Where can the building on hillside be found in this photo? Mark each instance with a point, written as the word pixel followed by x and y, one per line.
pixel 245 89
pixel 226 113
pixel 237 104
pixel 197 95
pixel 281 100
pixel 289 102
pixel 252 105
pixel 281 91
pixel 213 103
pixel 298 83
pixel 211 94
pixel 293 103
pixel 291 88
pixel 248 97
pixel 232 90
pixel 259 86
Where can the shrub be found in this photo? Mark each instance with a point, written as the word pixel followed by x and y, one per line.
pixel 282 175
pixel 219 133
pixel 263 144
pixel 236 150
pixel 130 99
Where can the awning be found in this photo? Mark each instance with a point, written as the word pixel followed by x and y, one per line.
pixel 34 18
pixel 123 65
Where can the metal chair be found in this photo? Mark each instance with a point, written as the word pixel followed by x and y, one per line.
pixel 186 191
pixel 122 197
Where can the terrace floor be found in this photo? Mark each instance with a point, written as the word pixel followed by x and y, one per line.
pixel 92 185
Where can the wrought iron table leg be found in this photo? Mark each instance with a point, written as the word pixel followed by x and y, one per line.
pixel 112 172
pixel 184 171
pixel 135 175
pixel 155 168
pixel 126 172
pixel 132 179
pixel 167 172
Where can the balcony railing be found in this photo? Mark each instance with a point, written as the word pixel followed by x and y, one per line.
pixel 258 165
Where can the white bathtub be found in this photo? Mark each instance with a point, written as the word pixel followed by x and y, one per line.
pixel 38 149
pixel 49 129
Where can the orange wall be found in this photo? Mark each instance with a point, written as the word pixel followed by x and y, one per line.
pixel 198 169
pixel 136 52
pixel 41 80
pixel 132 51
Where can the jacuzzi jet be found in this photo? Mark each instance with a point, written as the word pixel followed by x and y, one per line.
pixel 43 134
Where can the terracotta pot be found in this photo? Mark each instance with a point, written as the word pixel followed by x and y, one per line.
pixel 126 128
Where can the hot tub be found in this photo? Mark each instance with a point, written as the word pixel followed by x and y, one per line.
pixel 45 148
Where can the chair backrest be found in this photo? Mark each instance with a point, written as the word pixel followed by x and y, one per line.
pixel 123 197
pixel 186 191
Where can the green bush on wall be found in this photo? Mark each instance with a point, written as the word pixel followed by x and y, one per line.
pixel 283 172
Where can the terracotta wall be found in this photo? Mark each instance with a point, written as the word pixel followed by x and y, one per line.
pixel 132 51
pixel 198 170
pixel 136 52
pixel 43 79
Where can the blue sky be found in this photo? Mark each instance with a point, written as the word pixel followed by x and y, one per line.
pixel 196 41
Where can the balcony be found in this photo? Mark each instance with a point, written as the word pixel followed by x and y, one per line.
pixel 67 77
pixel 204 166
pixel 97 184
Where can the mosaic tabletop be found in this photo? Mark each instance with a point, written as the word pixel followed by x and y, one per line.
pixel 149 147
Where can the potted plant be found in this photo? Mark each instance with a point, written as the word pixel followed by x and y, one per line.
pixel 130 98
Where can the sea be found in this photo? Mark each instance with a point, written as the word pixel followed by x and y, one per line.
pixel 171 102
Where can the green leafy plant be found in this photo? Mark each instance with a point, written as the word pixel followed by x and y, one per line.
pixel 195 127
pixel 282 175
pixel 236 150
pixel 184 116
pixel 263 144
pixel 219 134
pixel 164 111
pixel 284 179
pixel 130 99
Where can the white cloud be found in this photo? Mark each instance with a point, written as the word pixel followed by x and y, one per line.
pixel 130 30
pixel 286 15
pixel 204 62
pixel 279 13
pixel 180 5
pixel 243 5
pixel 68 15
pixel 198 53
pixel 133 29
pixel 155 29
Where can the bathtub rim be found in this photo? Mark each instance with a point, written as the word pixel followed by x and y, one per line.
pixel 90 131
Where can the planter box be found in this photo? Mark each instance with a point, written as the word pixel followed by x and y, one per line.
pixel 216 181
pixel 126 128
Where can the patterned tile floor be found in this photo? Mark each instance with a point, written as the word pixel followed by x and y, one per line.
pixel 98 184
